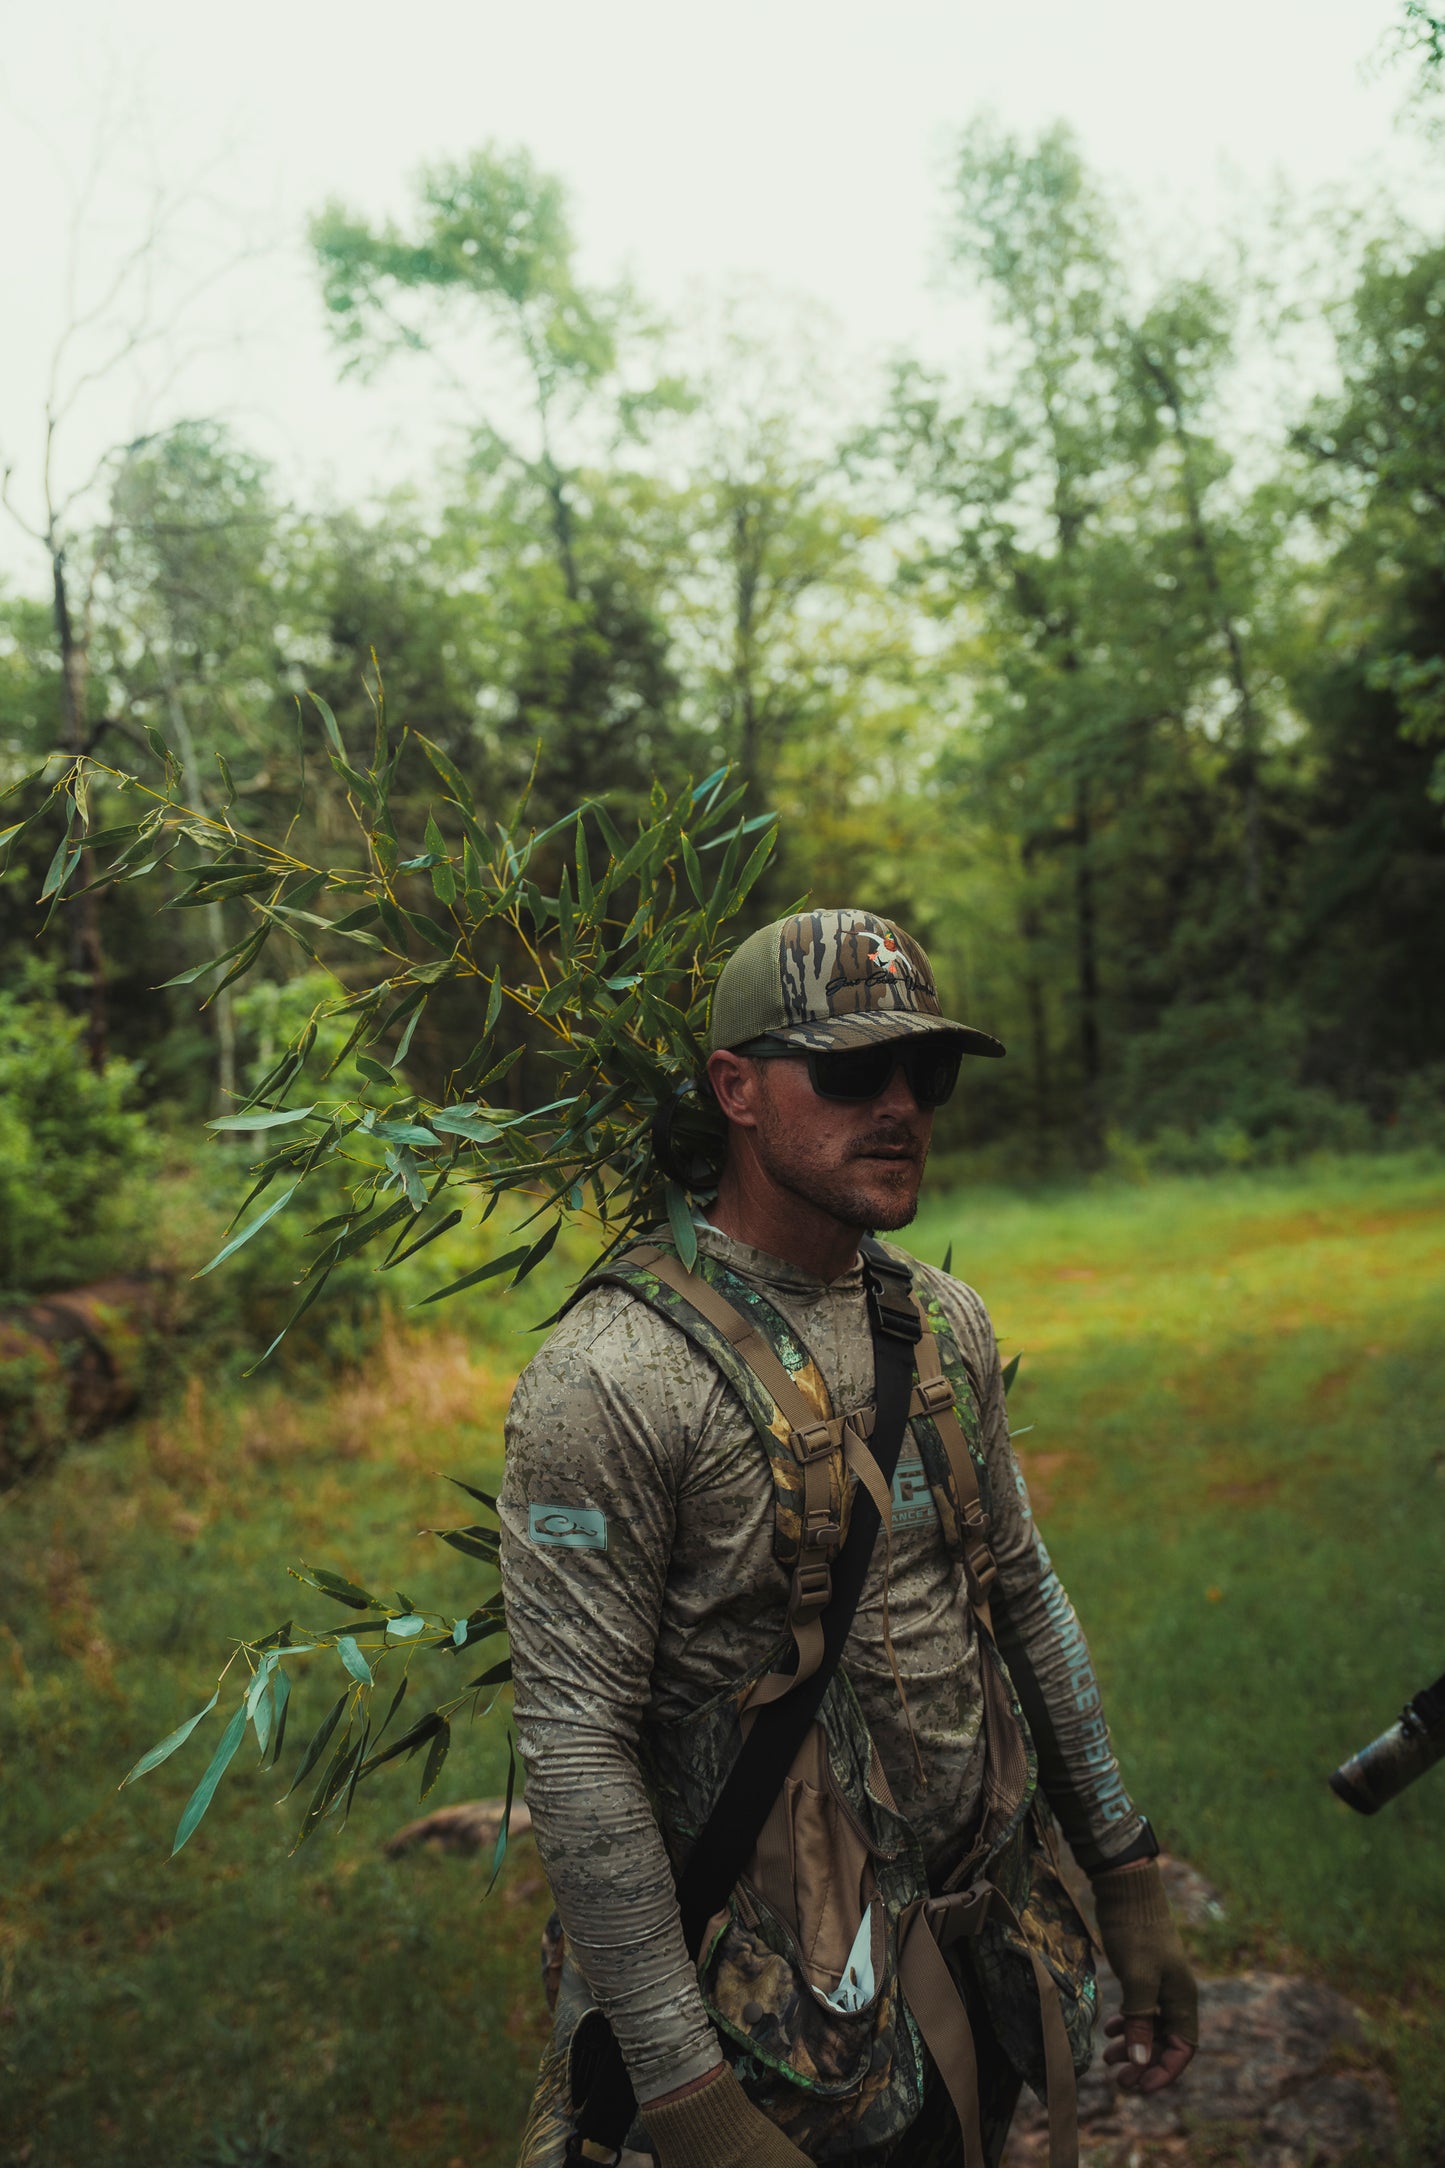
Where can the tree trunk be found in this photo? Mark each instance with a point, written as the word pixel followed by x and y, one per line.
pixel 745 701
pixel 1203 547
pixel 214 915
pixel 1029 927
pixel 87 958
pixel 1086 922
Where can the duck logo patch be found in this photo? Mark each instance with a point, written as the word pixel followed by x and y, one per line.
pixel 572 1528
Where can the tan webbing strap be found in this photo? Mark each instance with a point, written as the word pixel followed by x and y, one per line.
pixel 1059 2081
pixel 941 2015
pixel 977 1557
pixel 738 1330
pixel 869 1474
pixel 814 1444
pixel 938 2012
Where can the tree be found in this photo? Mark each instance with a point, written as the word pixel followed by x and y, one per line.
pixel 558 386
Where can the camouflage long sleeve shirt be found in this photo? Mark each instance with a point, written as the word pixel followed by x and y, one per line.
pixel 623 1433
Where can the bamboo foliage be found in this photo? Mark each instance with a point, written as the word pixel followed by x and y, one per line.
pixel 602 946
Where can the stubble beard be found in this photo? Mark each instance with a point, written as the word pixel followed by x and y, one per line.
pixel 885 1207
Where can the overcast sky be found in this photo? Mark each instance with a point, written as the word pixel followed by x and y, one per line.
pixel 795 141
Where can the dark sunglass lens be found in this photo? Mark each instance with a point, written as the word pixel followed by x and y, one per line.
pixel 932 1072
pixel 859 1072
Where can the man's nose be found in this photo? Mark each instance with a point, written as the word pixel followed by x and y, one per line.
pixel 896 1096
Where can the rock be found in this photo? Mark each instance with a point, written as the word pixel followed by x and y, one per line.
pixel 464 1828
pixel 1266 2088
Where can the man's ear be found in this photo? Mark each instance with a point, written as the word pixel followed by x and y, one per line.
pixel 736 1085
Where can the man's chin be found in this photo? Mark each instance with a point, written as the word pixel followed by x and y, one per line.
pixel 882 1206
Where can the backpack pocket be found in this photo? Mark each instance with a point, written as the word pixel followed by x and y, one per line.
pixel 800 1973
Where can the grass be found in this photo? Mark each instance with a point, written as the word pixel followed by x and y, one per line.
pixel 1237 1455
pixel 1235 1389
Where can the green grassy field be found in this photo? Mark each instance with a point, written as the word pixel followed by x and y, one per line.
pixel 1236 1390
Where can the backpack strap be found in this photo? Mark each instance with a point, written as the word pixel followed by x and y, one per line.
pixel 978 1560
pixel 815 1444
pixel 767 1753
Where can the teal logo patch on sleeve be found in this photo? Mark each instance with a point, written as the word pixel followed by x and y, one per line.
pixel 573 1528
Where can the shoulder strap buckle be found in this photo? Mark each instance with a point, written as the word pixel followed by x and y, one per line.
pixel 890 1296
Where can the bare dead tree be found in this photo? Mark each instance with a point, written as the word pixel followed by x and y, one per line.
pixel 122 322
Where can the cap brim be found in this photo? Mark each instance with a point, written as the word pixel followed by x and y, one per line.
pixel 866 1027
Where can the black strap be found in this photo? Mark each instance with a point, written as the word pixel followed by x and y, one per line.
pixel 767 1754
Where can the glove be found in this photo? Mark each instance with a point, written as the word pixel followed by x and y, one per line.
pixel 718 2127
pixel 1148 1960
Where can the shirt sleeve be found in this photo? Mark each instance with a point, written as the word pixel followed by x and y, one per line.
pixel 597 1440
pixel 1037 1629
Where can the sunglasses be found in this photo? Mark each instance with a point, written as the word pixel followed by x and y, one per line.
pixel 854 1074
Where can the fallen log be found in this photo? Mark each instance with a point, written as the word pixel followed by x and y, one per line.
pixel 70 1363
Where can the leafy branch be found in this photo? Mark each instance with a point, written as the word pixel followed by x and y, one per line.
pixel 592 950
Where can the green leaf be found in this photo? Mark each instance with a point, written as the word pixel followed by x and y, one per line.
pixel 538 1251
pixel 376 1071
pixel 312 1291
pixel 502 1834
pixel 421 1241
pixel 402 1162
pixel 62 865
pixel 405 1629
pixel 346 1759
pixel 205 1791
pixel 466 1122
pixel 318 1745
pixel 404 1043
pixel 212 963
pixel 474 1278
pixel 679 1218
pixel 243 962
pixel 483 1498
pixel 276 1120
pixel 404 1133
pixel 450 774
pixel 353 921
pixel 436 1754
pixel 328 723
pixel 423 1729
pixel 494 1002
pixel 281 1688
pixel 431 931
pixel 482 1543
pixel 259 1707
pixel 947 1265
pixel 1011 1371
pixel 354 1661
pixel 237 1241
pixel 168 1745
pixel 347 1592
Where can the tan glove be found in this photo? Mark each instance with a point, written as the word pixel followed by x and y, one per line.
pixel 718 2127
pixel 1159 2030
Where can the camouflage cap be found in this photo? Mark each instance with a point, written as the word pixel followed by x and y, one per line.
pixel 831 979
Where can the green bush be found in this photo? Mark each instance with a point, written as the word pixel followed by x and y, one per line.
pixel 71 1146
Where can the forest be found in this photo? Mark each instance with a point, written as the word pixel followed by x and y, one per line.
pixel 1108 660
pixel 1133 711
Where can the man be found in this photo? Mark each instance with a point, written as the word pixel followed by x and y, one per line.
pixel 644 1557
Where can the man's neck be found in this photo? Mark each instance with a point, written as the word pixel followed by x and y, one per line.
pixel 750 1208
